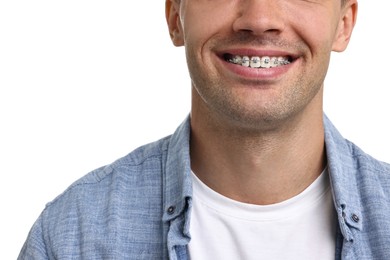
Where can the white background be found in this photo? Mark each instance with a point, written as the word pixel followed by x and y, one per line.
pixel 84 82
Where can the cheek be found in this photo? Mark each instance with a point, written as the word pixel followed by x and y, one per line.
pixel 203 19
pixel 312 21
pixel 200 33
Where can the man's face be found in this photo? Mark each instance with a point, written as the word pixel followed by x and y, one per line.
pixel 259 61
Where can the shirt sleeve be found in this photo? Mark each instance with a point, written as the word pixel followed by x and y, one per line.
pixel 34 247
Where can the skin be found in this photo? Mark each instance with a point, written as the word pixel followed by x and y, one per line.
pixel 257 134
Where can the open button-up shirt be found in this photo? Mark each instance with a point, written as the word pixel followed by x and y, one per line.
pixel 139 206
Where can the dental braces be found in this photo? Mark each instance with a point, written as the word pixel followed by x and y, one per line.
pixel 246 60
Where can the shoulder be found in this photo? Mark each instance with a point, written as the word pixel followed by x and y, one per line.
pixel 133 168
pixel 368 166
pixel 115 208
pixel 350 165
pixel 123 177
pixel 123 199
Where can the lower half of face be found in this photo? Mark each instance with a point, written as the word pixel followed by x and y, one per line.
pixel 256 97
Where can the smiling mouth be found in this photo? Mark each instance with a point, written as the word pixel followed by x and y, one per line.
pixel 257 62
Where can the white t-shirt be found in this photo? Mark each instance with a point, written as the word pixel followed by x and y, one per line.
pixel 300 228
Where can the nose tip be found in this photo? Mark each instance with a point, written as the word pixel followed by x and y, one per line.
pixel 259 16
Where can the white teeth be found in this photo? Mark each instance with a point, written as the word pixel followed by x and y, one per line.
pixel 266 62
pixel 274 62
pixel 280 60
pixel 237 59
pixel 245 61
pixel 257 62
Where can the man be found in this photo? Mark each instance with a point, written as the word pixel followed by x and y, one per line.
pixel 256 172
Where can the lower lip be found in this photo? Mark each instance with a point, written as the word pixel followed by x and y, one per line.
pixel 258 74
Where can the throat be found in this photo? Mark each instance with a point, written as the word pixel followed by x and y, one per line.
pixel 262 168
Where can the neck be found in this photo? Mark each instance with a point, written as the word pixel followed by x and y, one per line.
pixel 258 167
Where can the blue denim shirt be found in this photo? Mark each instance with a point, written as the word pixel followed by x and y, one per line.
pixel 139 206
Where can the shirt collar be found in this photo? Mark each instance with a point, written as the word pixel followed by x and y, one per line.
pixel 341 166
pixel 342 171
pixel 177 172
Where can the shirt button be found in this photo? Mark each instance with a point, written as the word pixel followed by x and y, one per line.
pixel 355 218
pixel 171 210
